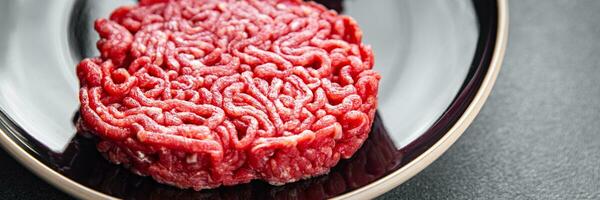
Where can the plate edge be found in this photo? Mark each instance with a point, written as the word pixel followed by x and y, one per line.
pixel 49 175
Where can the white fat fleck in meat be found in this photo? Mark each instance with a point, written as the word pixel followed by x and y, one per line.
pixel 142 157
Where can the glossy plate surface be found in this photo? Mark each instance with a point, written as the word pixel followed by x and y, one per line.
pixel 433 56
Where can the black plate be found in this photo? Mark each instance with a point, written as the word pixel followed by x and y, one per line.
pixel 433 56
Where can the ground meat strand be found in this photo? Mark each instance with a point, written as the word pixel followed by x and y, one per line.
pixel 203 93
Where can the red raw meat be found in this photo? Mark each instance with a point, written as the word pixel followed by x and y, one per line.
pixel 203 93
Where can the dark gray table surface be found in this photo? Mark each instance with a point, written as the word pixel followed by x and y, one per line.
pixel 538 136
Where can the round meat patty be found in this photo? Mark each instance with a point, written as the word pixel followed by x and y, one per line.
pixel 203 93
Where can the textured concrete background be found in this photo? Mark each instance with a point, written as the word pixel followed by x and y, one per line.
pixel 538 136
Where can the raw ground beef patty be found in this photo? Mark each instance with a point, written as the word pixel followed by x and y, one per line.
pixel 203 93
